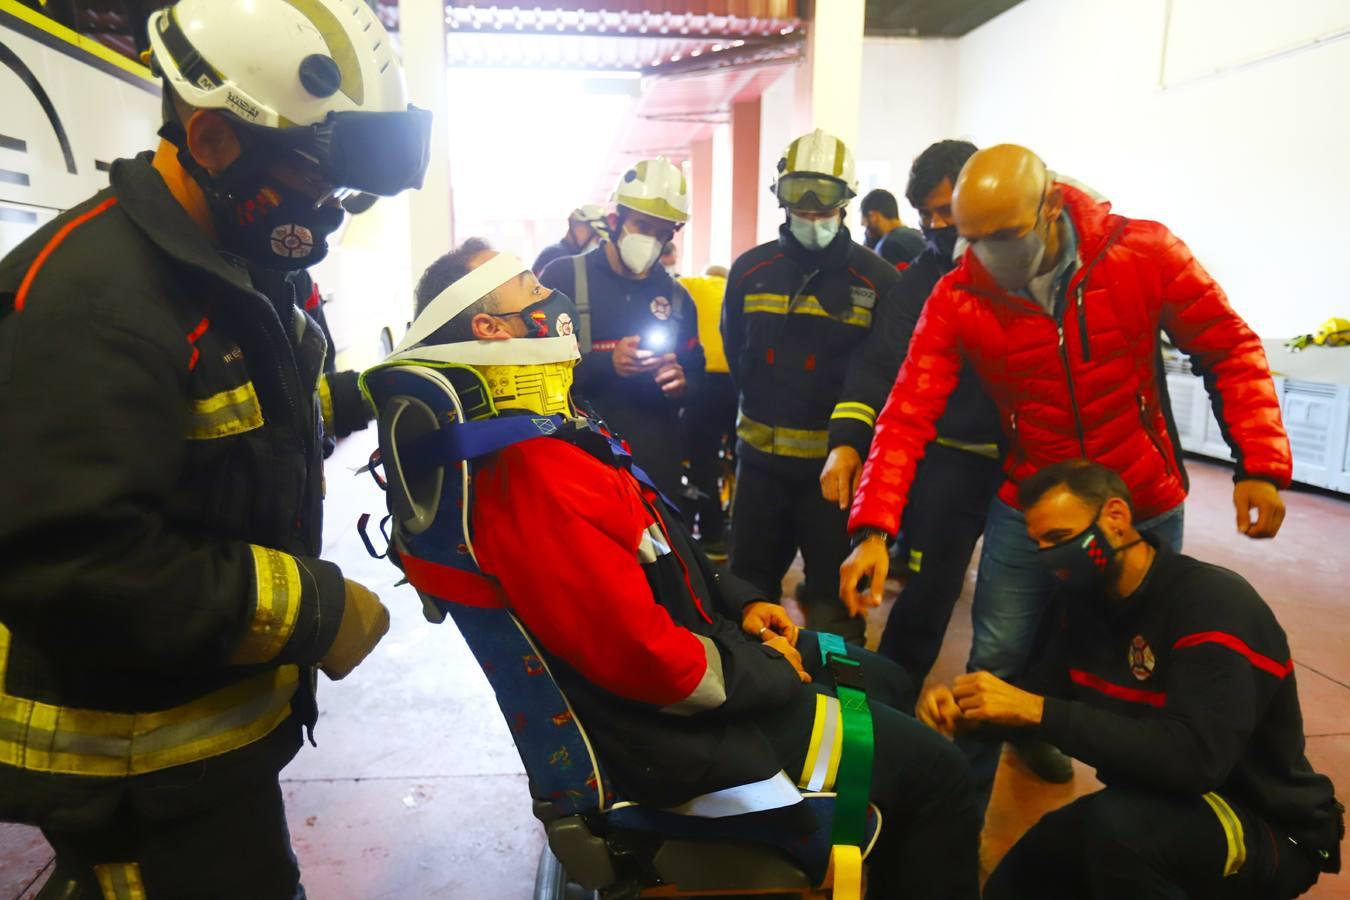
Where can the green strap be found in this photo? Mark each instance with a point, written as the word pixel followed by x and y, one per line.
pixel 853 783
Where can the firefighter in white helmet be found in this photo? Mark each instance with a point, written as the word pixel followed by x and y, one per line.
pixel 797 313
pixel 638 328
pixel 584 227
pixel 163 606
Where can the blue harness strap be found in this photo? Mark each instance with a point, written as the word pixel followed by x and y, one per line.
pixel 455 442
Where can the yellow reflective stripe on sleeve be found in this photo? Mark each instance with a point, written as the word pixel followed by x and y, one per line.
pixel 326 405
pixel 916 560
pixel 777 305
pixel 1232 832
pixel 277 588
pixel 860 411
pixel 75 39
pixel 42 737
pixel 800 443
pixel 230 412
pixel 120 881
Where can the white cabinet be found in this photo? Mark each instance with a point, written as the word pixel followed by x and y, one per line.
pixel 1314 391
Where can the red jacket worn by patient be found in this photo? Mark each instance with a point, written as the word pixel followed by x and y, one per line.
pixel 653 658
pixel 1085 384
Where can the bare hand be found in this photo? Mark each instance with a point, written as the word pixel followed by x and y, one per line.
pixel 1263 498
pixel 839 478
pixel 938 709
pixel 670 377
pixel 629 360
pixel 768 620
pixel 869 560
pixel 779 643
pixel 987 698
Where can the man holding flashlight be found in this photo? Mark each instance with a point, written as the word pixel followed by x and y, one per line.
pixel 637 327
pixel 795 323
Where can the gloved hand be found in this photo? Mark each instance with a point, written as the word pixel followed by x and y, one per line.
pixel 364 622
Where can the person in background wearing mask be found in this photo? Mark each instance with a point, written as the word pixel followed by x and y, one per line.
pixel 710 420
pixel 638 329
pixel 798 311
pixel 584 228
pixel 162 604
pixel 884 233
pixel 1173 678
pixel 1058 306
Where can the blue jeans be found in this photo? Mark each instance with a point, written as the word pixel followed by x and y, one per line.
pixel 1012 590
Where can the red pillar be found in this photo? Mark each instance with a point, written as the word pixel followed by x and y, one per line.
pixel 745 186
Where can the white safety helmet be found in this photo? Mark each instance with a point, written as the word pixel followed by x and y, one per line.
pixel 318 75
pixel 816 173
pixel 592 214
pixel 655 187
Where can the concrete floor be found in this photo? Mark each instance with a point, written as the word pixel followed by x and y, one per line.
pixel 415 790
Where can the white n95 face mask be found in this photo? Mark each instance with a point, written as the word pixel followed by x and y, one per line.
pixel 639 252
pixel 813 234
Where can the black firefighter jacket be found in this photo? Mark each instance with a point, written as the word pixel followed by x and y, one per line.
pixel 795 324
pixel 161 603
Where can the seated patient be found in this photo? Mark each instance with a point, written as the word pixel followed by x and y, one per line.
pixel 688 681
pixel 1174 679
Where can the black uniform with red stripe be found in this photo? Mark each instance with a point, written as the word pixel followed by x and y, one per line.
pixel 1187 688
pixel 658 309
pixel 161 599
pixel 795 323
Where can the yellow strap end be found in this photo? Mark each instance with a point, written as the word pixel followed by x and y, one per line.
pixel 844 876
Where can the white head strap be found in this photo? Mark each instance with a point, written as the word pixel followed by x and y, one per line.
pixel 458 297
pixel 462 294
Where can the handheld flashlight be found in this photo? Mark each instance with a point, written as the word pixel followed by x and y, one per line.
pixel 657 339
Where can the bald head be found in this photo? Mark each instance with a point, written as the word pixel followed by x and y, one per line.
pixel 999 193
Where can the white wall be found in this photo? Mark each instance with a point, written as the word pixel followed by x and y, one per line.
pixel 1246 166
pixel 909 92
pixel 720 251
pixel 776 110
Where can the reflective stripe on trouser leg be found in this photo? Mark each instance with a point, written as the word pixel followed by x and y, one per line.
pixel 824 750
pixel 120 881
pixel 1232 832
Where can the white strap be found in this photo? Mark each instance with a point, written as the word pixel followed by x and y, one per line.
pixel 515 352
pixel 771 793
pixel 460 295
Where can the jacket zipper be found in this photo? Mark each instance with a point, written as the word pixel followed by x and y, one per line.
pixel 1073 396
pixel 1082 323
pixel 1016 448
pixel 1153 436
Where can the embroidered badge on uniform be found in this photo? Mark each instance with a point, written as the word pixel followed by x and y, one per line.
pixel 863 297
pixel 1142 660
pixel 661 308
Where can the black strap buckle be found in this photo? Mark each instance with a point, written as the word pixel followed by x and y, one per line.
pixel 847 672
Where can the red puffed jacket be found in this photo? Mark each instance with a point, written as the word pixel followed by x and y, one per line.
pixel 1085 384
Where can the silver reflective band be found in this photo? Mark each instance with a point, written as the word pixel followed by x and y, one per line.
pixel 460 295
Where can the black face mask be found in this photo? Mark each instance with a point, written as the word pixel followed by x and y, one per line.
pixel 1085 561
pixel 941 241
pixel 554 316
pixel 274 226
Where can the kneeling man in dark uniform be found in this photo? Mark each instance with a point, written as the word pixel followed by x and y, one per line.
pixel 1173 678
